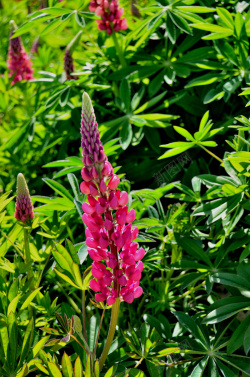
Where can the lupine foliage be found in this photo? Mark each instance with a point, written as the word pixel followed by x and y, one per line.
pixel 157 167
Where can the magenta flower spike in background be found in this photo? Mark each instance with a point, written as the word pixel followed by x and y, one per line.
pixel 68 59
pixel 24 207
pixel 19 63
pixel 111 13
pixel 117 265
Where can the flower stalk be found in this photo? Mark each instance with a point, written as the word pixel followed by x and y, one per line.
pixel 111 333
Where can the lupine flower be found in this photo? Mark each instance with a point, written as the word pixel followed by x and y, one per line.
pixel 109 232
pixel 19 63
pixel 68 59
pixel 24 207
pixel 111 13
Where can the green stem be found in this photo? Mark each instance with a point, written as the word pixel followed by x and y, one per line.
pixel 188 292
pixel 111 333
pixel 73 337
pixel 221 346
pixel 16 248
pixel 98 334
pixel 70 300
pixel 119 51
pixel 211 153
pixel 27 251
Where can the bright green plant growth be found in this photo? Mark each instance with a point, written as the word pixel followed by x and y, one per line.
pixel 171 96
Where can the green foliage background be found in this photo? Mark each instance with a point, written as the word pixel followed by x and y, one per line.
pixel 170 96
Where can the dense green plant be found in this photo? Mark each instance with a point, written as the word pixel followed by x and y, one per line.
pixel 177 79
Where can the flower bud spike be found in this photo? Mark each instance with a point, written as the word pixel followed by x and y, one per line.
pixel 24 207
pixel 19 63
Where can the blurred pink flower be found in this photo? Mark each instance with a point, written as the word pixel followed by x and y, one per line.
pixel 109 233
pixel 111 13
pixel 19 63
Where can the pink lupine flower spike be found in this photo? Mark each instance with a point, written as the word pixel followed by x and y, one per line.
pixel 19 63
pixel 110 14
pixel 24 207
pixel 117 265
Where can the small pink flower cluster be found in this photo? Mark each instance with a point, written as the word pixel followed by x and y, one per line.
pixel 24 207
pixel 109 232
pixel 111 13
pixel 69 65
pixel 19 63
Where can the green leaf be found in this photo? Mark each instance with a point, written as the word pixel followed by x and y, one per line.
pixel 80 20
pixel 225 308
pixel 227 372
pixel 12 332
pixel 77 275
pixel 242 363
pixel 212 28
pixel 74 185
pixel 180 22
pixel 30 298
pixel 195 9
pixel 62 251
pixel 88 372
pixel 83 253
pixel 63 263
pixel 184 133
pixel 78 370
pixel 56 11
pixel 200 368
pixel 231 280
pixel 67 368
pixel 150 103
pixel 66 278
pixel 51 26
pixel 212 95
pixel 247 340
pixel 226 17
pixel 206 79
pixel 203 121
pixel 111 371
pixel 37 348
pixel 93 331
pixel 189 324
pixel 135 373
pixel 153 20
pixel 125 94
pixel 57 187
pixel 14 138
pixel 13 304
pixel 192 247
pixel 154 369
pixel 126 134
pixel 73 252
pixel 54 371
pixel 176 151
pixel 237 339
pixel 27 342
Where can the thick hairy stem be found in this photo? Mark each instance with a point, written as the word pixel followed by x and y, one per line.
pixel 27 252
pixel 111 333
